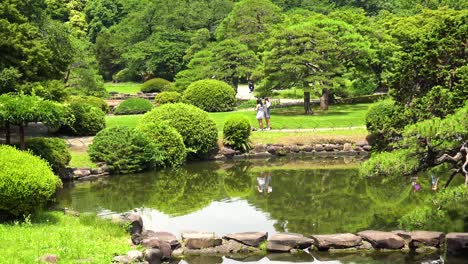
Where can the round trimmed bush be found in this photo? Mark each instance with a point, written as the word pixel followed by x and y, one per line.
pixel 155 85
pixel 133 106
pixel 195 126
pixel 88 119
pixel 237 132
pixel 53 150
pixel 168 140
pixel 91 100
pixel 124 150
pixel 167 98
pixel 211 95
pixel 26 182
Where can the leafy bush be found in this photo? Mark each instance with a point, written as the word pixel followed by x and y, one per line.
pixel 247 104
pixel 88 119
pixel 385 121
pixel 237 132
pixel 132 106
pixel 124 150
pixel 167 98
pixel 125 75
pixel 155 85
pixel 26 182
pixel 211 95
pixel 53 150
pixel 91 100
pixel 168 140
pixel 195 126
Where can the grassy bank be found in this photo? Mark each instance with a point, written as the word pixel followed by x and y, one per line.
pixel 73 239
pixel 80 159
pixel 126 88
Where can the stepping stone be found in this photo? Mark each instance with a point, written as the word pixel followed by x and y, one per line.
pixel 382 240
pixel 199 240
pixel 457 243
pixel 253 239
pixel 284 242
pixel 426 238
pixel 339 241
pixel 163 246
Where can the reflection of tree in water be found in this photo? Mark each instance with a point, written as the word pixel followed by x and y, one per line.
pixel 237 181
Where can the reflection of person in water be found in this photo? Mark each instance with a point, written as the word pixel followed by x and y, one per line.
pixel 264 183
pixel 415 184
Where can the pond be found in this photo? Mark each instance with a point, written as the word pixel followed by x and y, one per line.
pixel 307 196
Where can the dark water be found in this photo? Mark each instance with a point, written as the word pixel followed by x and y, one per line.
pixel 308 196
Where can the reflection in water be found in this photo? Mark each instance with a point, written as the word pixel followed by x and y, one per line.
pixel 308 196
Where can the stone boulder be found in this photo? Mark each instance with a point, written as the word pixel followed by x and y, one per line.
pixel 153 256
pixel 49 258
pixel 284 242
pixel 272 149
pixel 403 234
pixel 382 240
pixel 136 223
pixel 168 237
pixel 259 148
pixel 347 147
pixel 163 246
pixel 318 148
pixel 135 255
pixel 78 173
pixel 295 149
pixel 199 240
pixel 426 238
pixel 253 239
pixel 329 147
pixel 457 243
pixel 228 152
pixel 306 148
pixel 338 241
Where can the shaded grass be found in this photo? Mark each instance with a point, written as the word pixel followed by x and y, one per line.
pixel 297 93
pixel 126 87
pixel 72 239
pixel 80 159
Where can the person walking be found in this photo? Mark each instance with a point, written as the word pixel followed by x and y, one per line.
pixel 267 113
pixel 260 113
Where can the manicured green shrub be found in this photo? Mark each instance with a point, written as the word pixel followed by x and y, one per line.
pixel 91 100
pixel 168 140
pixel 124 150
pixel 197 128
pixel 125 75
pixel 237 132
pixel 53 150
pixel 132 106
pixel 88 120
pixel 155 85
pixel 26 182
pixel 211 95
pixel 167 98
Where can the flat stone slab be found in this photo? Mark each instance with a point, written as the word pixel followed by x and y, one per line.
pixel 253 239
pixel 284 242
pixel 426 238
pixel 382 240
pixel 227 247
pixel 338 241
pixel 167 237
pixel 457 243
pixel 163 246
pixel 199 240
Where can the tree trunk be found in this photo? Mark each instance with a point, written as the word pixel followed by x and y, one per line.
pixel 22 142
pixel 307 108
pixel 7 132
pixel 324 99
pixel 235 82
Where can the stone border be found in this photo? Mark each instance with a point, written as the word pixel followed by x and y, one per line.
pixel 161 246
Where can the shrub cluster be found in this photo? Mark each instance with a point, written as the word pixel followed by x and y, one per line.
pixel 132 106
pixel 155 85
pixel 168 140
pixel 237 132
pixel 167 98
pixel 91 100
pixel 195 126
pixel 211 95
pixel 26 182
pixel 124 150
pixel 88 119
pixel 53 150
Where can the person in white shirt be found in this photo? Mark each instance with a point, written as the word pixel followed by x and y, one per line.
pixel 267 113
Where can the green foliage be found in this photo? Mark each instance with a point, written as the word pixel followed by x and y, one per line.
pixel 124 75
pixel 124 150
pixel 439 212
pixel 167 98
pixel 53 150
pixel 88 119
pixel 91 100
pixel 236 133
pixel 385 121
pixel 394 164
pixel 167 140
pixel 195 126
pixel 211 95
pixel 155 85
pixel 133 106
pixel 26 182
pixel 247 104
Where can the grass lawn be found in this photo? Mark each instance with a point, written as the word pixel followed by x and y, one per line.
pixel 84 239
pixel 80 159
pixel 308 137
pixel 289 93
pixel 126 88
pixel 281 118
